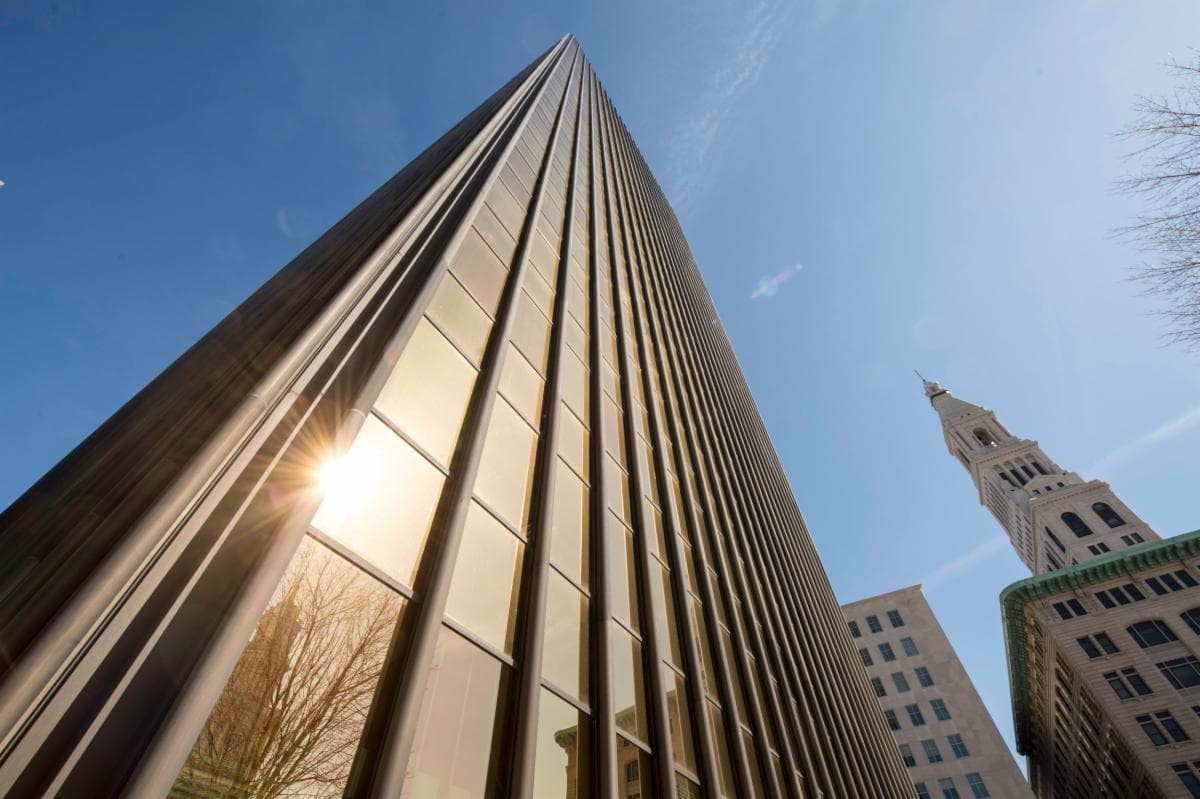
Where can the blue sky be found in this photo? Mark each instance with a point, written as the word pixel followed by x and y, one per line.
pixel 939 172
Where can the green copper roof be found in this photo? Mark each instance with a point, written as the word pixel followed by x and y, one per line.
pixel 1014 598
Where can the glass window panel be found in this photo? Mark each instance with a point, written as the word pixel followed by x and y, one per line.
pixel 559 765
pixel 576 338
pixel 614 431
pixel 510 212
pixel 480 271
pixel 629 689
pixel 564 657
pixel 671 627
pixel 427 393
pixel 453 749
pixel 718 600
pixel 687 564
pixel 756 782
pixel 686 787
pixel 735 674
pixel 574 384
pixel 460 318
pixel 757 686
pixel 635 772
pixel 514 184
pixel 272 732
pixel 656 534
pixel 506 467
pixel 531 333
pixel 707 670
pixel 616 488
pixel 487 579
pixel 544 258
pixel 716 726
pixel 499 240
pixel 380 500
pixel 569 535
pixel 521 385
pixel 540 292
pixel 573 443
pixel 621 571
pixel 680 720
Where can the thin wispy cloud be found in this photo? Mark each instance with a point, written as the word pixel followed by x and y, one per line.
pixel 749 51
pixel 964 563
pixel 283 223
pixel 1164 432
pixel 769 285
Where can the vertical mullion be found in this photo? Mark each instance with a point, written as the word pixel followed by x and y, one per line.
pixel 675 555
pixel 664 761
pixel 604 715
pixel 437 563
pixel 532 643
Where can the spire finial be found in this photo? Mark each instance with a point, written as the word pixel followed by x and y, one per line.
pixel 930 386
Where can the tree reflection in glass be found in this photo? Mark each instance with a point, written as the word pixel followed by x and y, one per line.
pixel 289 720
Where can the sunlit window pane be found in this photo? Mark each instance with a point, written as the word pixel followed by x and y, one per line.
pixel 616 488
pixel 522 386
pixel 622 568
pixel 531 333
pixel 669 626
pixel 679 711
pixel 460 318
pixel 560 762
pixel 573 443
pixel 629 690
pixel 574 384
pixel 569 534
pixel 273 731
pixel 703 642
pixel 428 390
pixel 501 242
pixel 564 658
pixel 506 468
pixel 480 271
pixel 381 500
pixel 716 727
pixel 635 771
pixel 487 578
pixel 463 699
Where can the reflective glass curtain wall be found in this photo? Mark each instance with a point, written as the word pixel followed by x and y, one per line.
pixel 470 500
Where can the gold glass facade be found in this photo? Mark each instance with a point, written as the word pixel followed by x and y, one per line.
pixel 506 522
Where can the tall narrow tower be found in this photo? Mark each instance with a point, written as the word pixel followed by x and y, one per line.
pixel 1053 518
pixel 471 499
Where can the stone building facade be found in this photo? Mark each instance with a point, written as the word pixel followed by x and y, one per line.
pixel 946 736
pixel 1103 642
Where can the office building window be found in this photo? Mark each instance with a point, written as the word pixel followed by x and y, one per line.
pixel 885 651
pixel 854 631
pixel 893 722
pixel 1168 724
pixel 906 753
pixel 1107 514
pixel 914 715
pixel 877 684
pixel 978 788
pixel 873 624
pixel 1189 777
pixel 866 657
pixel 949 791
pixel 931 750
pixel 923 677
pixel 1181 672
pixel 901 682
pixel 895 618
pixel 1153 632
pixel 910 648
pixel 922 791
pixel 957 746
pixel 1192 618
pixel 939 709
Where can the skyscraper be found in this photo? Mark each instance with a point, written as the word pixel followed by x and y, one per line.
pixel 1103 642
pixel 471 499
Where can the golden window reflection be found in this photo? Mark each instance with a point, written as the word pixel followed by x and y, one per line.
pixel 460 318
pixel 560 759
pixel 569 535
pixel 499 240
pixel 290 717
pixel 505 477
pixel 486 580
pixel 573 443
pixel 453 752
pixel 428 391
pixel 522 386
pixel 629 688
pixel 480 271
pixel 680 716
pixel 565 652
pixel 622 590
pixel 635 772
pixel 716 727
pixel 531 333
pixel 381 500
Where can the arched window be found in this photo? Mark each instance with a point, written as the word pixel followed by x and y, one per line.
pixel 1077 525
pixel 984 437
pixel 1106 513
pixel 1151 633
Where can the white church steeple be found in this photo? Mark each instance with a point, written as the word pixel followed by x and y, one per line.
pixel 1053 517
